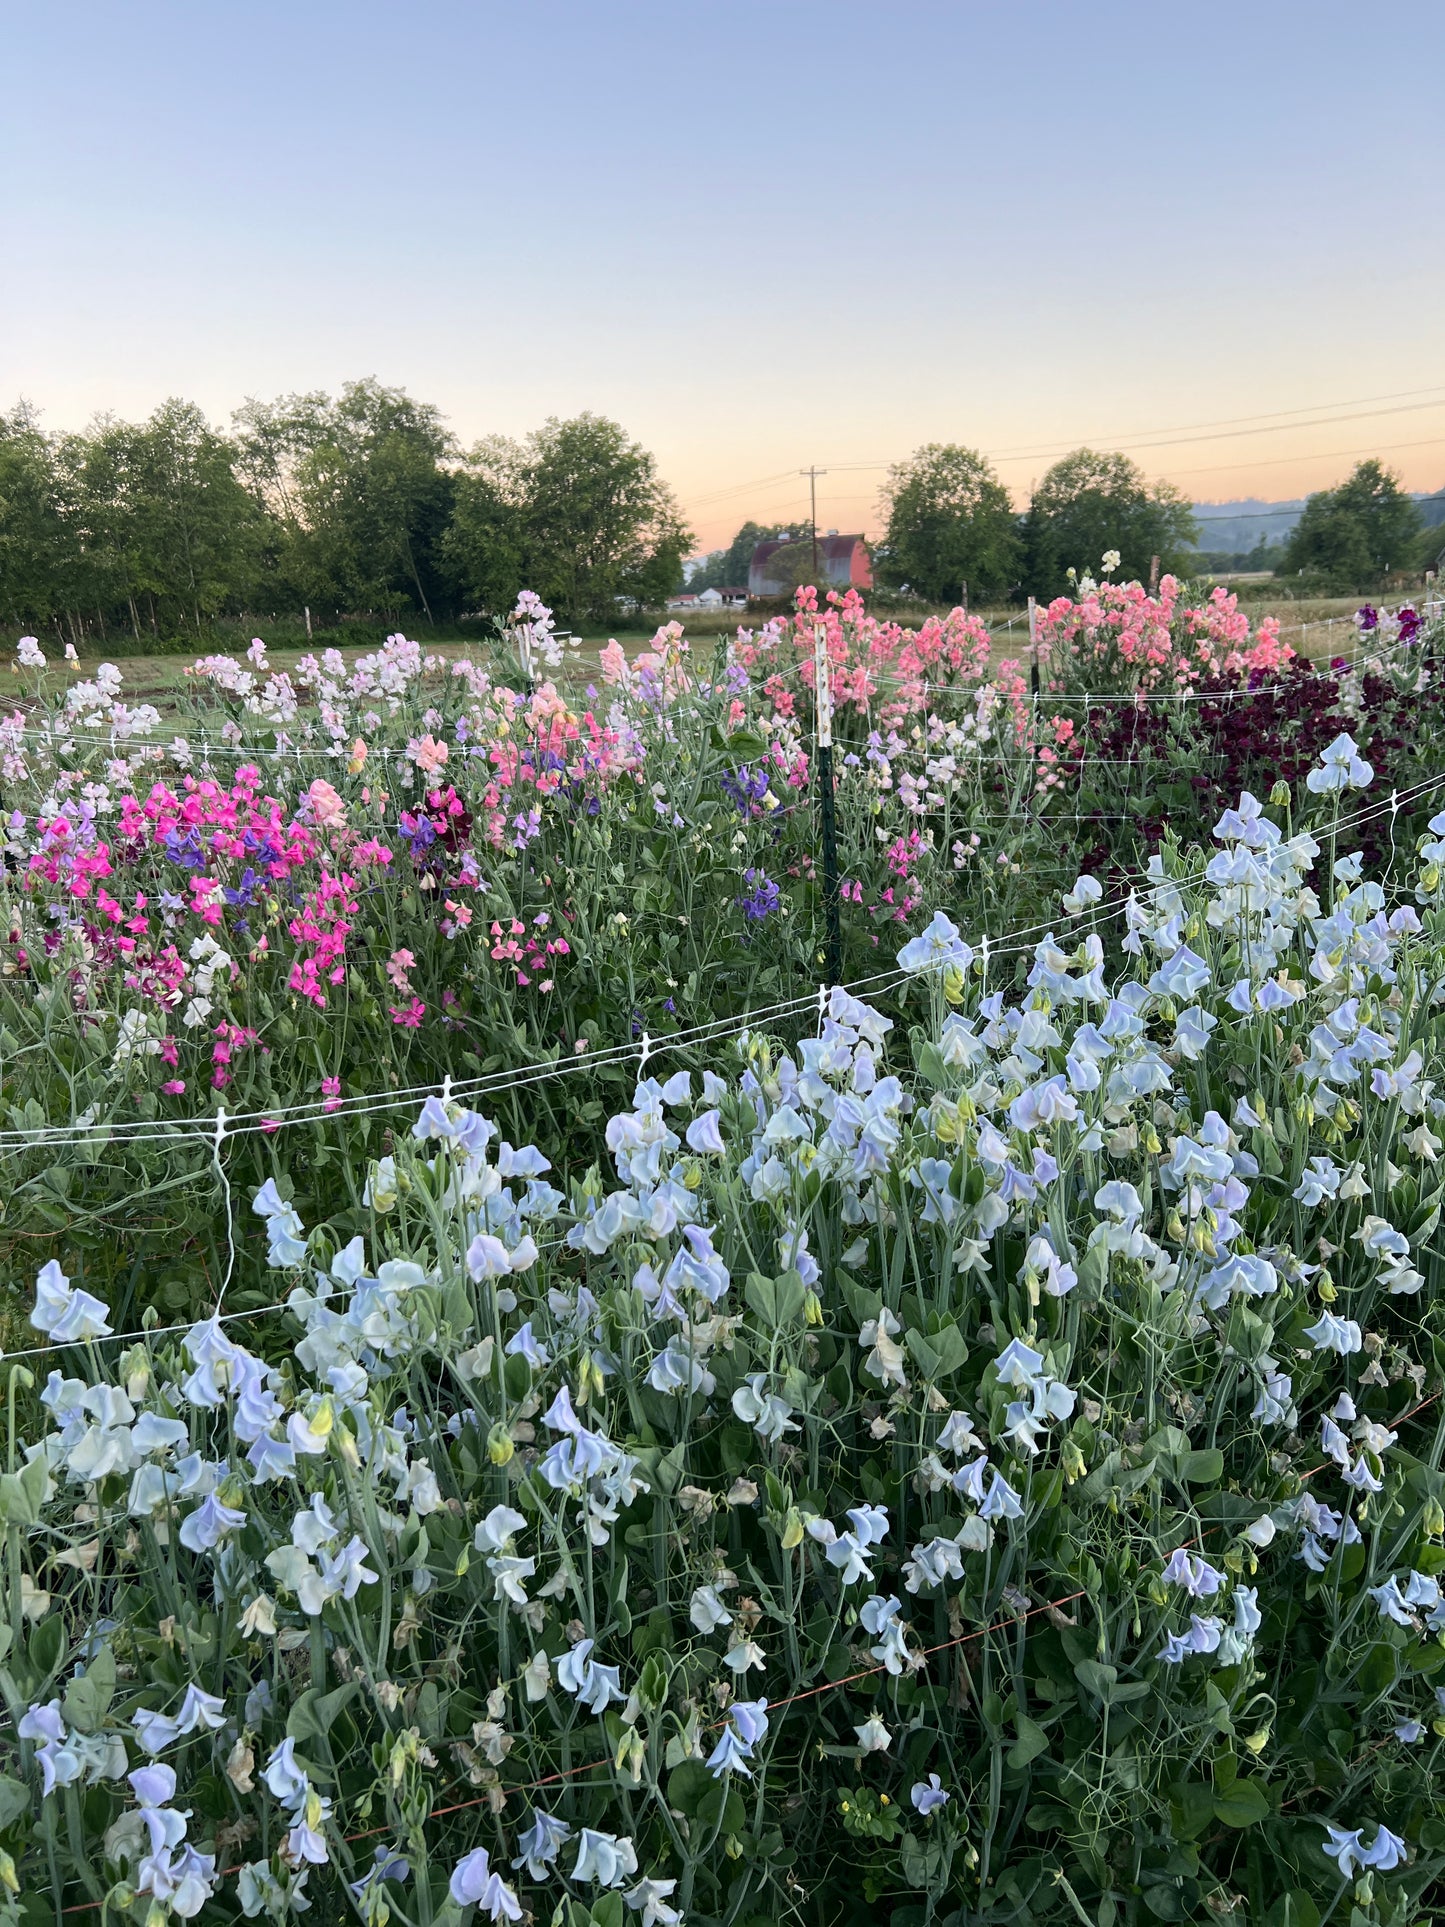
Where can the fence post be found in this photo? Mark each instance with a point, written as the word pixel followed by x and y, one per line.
pixel 823 713
pixel 1034 644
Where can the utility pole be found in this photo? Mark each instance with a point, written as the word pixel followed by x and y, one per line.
pixel 812 475
pixel 823 717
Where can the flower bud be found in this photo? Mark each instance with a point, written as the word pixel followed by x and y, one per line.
pixel 322 1420
pixel 8 1875
pixel 792 1529
pixel 1280 796
pixel 812 1307
pixel 500 1446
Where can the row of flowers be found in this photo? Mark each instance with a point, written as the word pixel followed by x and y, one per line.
pixel 1001 1461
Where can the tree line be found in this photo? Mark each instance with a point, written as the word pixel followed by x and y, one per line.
pixel 359 503
pixel 364 503
pixel 949 520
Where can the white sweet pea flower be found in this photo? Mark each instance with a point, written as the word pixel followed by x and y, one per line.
pixel 935 949
pixel 603 1858
pixel 885 1359
pixel 1340 767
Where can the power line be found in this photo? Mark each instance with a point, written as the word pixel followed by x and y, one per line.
pixel 1316 455
pixel 1222 428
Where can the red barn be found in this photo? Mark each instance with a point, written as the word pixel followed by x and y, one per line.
pixel 779 566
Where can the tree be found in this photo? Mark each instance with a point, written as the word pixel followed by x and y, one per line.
pixel 598 523
pixel 34 539
pixel 1354 535
pixel 160 518
pixel 360 491
pixel 486 539
pixel 949 521
pixel 1089 503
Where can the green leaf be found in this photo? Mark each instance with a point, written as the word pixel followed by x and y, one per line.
pixel 14 1800
pixel 1243 1805
pixel 652 1683
pixel 918 1861
pixel 315 1713
pixel 1192 1804
pixel 777 1301
pixel 950 1346
pixel 87 1699
pixel 1032 1740
pixel 696 1794
pixel 22 1494
pixel 931 1065
pixel 518 1375
pixel 927 1359
pixel 1096 1678
pixel 46 1646
pixel 688 1786
pixel 1202 1468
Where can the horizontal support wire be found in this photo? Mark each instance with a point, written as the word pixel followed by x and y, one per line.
pixel 319 1110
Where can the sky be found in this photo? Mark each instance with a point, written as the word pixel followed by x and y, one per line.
pixel 760 237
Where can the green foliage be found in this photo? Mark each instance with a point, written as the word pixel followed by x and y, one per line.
pixel 148 521
pixel 359 493
pixel 599 526
pixel 1089 503
pixel 1353 536
pixel 950 522
pixel 357 504
pixel 33 539
pixel 486 541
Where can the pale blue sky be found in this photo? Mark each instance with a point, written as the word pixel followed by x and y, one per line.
pixel 758 236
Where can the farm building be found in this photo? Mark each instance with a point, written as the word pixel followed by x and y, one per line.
pixel 778 567
pixel 722 599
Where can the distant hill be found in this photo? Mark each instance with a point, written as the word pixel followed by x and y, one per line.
pixel 1237 526
pixel 1247 524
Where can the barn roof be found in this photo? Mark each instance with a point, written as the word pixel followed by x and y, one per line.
pixel 831 548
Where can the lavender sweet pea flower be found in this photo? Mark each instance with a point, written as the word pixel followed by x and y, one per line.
pixel 929 1795
pixel 473 1883
pixel 1331 1334
pixel 704 1136
pixel 935 949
